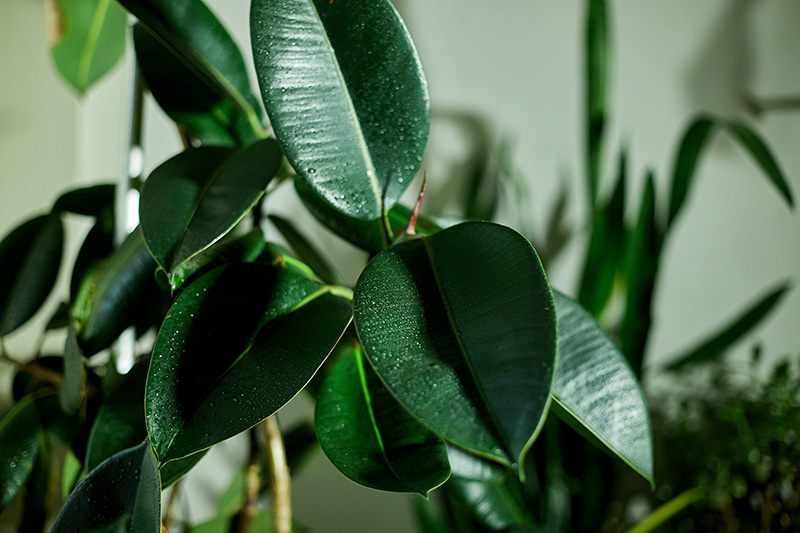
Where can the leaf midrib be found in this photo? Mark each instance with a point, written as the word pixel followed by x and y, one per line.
pixel 90 45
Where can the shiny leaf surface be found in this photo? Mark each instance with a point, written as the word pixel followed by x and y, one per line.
pixel 196 197
pixel 19 445
pixel 237 344
pixel 30 257
pixel 348 100
pixel 461 327
pixel 370 438
pixel 595 388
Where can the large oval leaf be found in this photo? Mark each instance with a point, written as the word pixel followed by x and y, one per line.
pixel 19 445
pixel 346 95
pixel 370 438
pixel 93 39
pixel 30 257
pixel 596 390
pixel 73 383
pixel 237 344
pixel 196 197
pixel 461 327
pixel 124 489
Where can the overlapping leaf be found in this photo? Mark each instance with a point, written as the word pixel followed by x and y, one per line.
pixel 73 384
pixel 461 327
pixel 196 197
pixel 19 445
pixel 370 438
pixel 237 344
pixel 346 95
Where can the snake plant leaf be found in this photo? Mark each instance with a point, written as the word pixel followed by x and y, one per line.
pixel 306 251
pixel 461 328
pixel 597 59
pixel 89 40
pixel 348 100
pixel 370 437
pixel 93 201
pixel 19 446
pixel 193 199
pixel 112 297
pixel 492 493
pixel 596 389
pixel 237 344
pixel 30 257
pixel 73 384
pixel 691 146
pixel 186 98
pixel 199 40
pixel 721 340
pixel 124 487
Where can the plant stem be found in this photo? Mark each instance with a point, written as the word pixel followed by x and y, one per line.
pixel 280 479
pixel 668 510
pixel 247 515
pixel 169 514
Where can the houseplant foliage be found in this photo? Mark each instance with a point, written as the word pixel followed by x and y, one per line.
pixel 446 367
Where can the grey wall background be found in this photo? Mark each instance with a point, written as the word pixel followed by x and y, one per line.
pixel 518 64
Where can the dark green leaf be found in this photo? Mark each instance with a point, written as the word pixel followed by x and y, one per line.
pixel 35 499
pixel 199 195
pixel 461 327
pixel 597 59
pixel 263 521
pixel 305 251
pixel 194 35
pixel 721 340
pixel 237 344
pixel 19 445
pixel 763 157
pixel 596 389
pixel 91 39
pixel 489 491
pixel 125 484
pixel 691 146
pixel 60 318
pixel 92 201
pixel 370 438
pixel 347 97
pixel 173 471
pixel 116 295
pixel 30 257
pixel 98 245
pixel 73 385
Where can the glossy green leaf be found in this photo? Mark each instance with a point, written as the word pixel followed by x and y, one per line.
pixel 370 438
pixel 761 153
pixel 348 100
pixel 596 389
pixel 185 96
pixel 73 385
pixel 37 490
pixel 597 59
pixel 489 491
pixel 689 151
pixel 461 327
pixel 93 201
pixel 245 248
pixel 196 197
pixel 91 39
pixel 111 299
pixel 98 245
pixel 19 445
pixel 30 257
pixel 174 471
pixel 305 251
pixel 195 36
pixel 237 344
pixel 721 340
pixel 125 485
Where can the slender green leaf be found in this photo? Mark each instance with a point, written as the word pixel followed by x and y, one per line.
pixel 597 59
pixel 692 144
pixel 93 201
pixel 199 195
pixel 461 327
pixel 70 473
pixel 305 251
pixel 73 385
pixel 726 337
pixel 92 39
pixel 348 100
pixel 761 153
pixel 234 348
pixel 194 35
pixel 370 438
pixel 596 389
pixel 126 484
pixel 19 446
pixel 30 257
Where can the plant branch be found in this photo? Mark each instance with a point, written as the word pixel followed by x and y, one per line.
pixel 280 479
pixel 169 514
pixel 668 510
pixel 247 515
